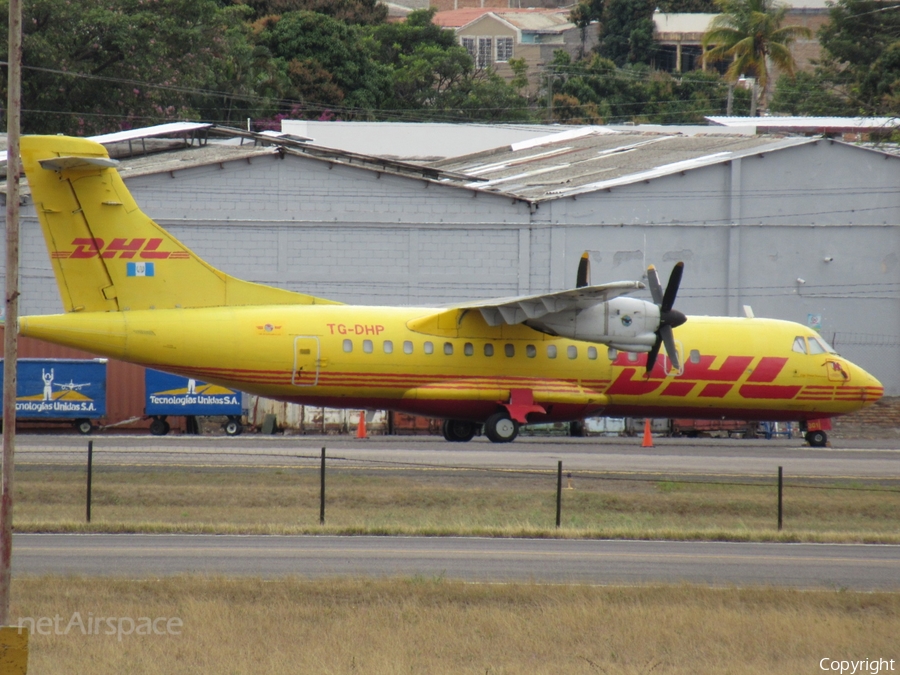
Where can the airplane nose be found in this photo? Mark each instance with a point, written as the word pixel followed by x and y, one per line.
pixel 872 389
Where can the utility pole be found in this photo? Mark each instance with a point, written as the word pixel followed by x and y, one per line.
pixel 10 342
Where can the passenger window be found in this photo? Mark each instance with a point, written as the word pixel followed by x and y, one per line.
pixel 695 356
pixel 612 353
pixel 633 357
pixel 509 350
pixel 572 352
pixel 488 349
pixel 551 351
pixel 367 346
pixel 815 347
pixel 407 347
pixel 429 348
pixel 468 349
pixel 799 345
pixel 448 348
pixel 388 347
pixel 530 351
pixel 592 353
pixel 348 346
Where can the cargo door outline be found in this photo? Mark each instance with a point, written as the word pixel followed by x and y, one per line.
pixel 836 372
pixel 306 361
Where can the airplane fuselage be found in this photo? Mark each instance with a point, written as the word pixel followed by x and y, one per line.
pixel 388 358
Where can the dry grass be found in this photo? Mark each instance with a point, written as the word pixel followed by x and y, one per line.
pixel 445 502
pixel 436 626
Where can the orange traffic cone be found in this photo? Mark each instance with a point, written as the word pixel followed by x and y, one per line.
pixel 648 437
pixel 361 427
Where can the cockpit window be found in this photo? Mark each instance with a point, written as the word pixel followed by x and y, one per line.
pixel 822 344
pixel 800 345
pixel 815 347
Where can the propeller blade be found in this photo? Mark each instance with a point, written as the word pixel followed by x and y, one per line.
pixel 584 271
pixel 669 340
pixel 654 352
pixel 672 288
pixel 653 282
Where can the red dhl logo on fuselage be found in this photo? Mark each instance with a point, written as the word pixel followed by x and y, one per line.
pixel 141 249
pixel 716 382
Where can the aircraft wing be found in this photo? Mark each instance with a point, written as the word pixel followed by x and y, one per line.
pixel 518 309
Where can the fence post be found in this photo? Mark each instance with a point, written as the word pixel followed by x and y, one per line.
pixel 322 490
pixel 90 465
pixel 780 495
pixel 558 493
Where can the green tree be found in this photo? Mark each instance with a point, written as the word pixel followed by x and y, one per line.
pixel 362 12
pixel 95 67
pixel 329 62
pixel 626 32
pixel 808 94
pixel 582 15
pixel 751 34
pixel 597 89
pixel 861 42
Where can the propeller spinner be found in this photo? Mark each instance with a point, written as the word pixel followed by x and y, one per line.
pixel 668 318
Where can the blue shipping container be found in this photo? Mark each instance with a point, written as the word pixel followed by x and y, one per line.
pixel 60 388
pixel 175 395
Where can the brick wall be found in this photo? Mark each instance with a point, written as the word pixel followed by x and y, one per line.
pixel 881 420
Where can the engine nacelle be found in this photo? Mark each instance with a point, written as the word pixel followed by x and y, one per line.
pixel 624 323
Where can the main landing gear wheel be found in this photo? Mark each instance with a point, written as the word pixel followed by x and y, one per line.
pixel 816 439
pixel 458 431
pixel 159 426
pixel 499 428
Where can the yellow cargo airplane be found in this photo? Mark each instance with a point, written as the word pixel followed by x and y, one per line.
pixel 133 292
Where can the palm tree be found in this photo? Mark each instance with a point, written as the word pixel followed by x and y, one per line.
pixel 749 32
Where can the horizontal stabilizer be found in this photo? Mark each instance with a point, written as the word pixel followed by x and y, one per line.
pixel 60 163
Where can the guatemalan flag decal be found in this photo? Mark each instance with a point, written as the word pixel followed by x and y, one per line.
pixel 140 269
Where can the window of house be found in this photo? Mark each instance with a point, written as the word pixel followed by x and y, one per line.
pixel 485 49
pixel 469 44
pixel 504 49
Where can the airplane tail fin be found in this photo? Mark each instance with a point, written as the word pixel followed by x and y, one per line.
pixel 107 254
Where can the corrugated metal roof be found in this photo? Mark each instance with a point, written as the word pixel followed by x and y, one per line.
pixel 591 162
pixel 809 123
pixel 537 21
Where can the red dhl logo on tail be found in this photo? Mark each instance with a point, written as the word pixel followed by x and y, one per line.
pixel 142 249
